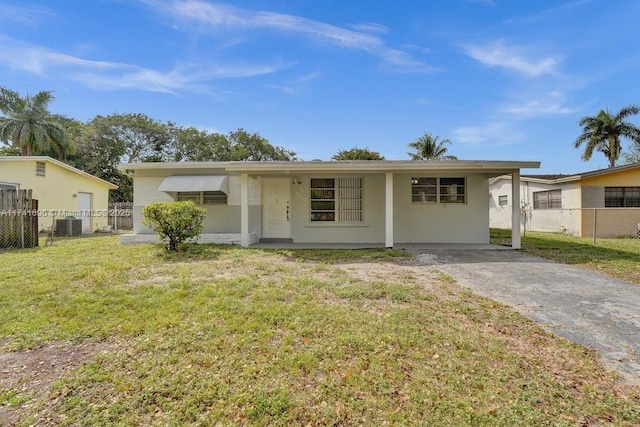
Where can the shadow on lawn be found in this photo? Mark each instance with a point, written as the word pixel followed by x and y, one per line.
pixel 337 256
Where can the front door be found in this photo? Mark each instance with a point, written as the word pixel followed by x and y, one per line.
pixel 276 197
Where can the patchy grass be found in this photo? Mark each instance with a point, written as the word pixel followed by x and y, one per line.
pixel 218 334
pixel 617 257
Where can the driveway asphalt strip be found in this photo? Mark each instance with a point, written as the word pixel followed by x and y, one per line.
pixel 584 306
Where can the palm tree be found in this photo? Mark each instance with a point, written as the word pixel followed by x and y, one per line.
pixel 427 147
pixel 603 133
pixel 29 126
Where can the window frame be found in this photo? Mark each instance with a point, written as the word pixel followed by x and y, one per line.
pixel 548 202
pixel 343 200
pixel 503 200
pixel 202 198
pixel 439 197
pixel 626 201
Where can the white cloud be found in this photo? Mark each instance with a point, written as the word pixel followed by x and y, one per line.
pixel 106 75
pixel 497 133
pixel 553 103
pixel 498 54
pixel 295 86
pixel 221 17
pixel 26 15
pixel 370 27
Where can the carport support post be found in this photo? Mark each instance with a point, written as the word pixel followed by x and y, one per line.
pixel 515 210
pixel 244 210
pixel 388 209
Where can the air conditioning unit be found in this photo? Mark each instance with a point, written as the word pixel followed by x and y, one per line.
pixel 68 227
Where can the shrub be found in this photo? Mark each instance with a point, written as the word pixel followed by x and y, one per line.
pixel 175 221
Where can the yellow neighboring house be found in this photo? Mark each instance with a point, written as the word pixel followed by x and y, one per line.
pixel 61 190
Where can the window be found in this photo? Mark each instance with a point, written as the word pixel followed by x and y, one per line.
pixel 202 197
pixel 503 200
pixel 438 190
pixel 551 199
pixel 40 168
pixel 622 197
pixel 336 199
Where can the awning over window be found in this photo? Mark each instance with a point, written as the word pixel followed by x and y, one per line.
pixel 180 183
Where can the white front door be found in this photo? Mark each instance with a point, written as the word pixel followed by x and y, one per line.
pixel 276 197
pixel 84 211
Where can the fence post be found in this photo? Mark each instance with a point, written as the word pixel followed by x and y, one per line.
pixel 595 229
pixel 115 218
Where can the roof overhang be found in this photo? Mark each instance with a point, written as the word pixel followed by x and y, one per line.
pixel 493 167
pixel 63 165
pixel 179 183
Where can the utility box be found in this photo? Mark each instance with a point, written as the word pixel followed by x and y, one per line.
pixel 68 227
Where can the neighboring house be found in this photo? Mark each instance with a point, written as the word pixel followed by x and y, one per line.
pixel 369 202
pixel 61 190
pixel 569 203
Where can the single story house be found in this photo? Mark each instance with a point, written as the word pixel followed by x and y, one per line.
pixel 61 190
pixel 604 200
pixel 367 202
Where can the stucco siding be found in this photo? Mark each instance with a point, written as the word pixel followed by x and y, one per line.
pixel 219 219
pixel 592 196
pixel 57 191
pixel 442 223
pixel 370 230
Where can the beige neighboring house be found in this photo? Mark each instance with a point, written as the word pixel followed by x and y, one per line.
pixel 604 200
pixel 61 190
pixel 328 202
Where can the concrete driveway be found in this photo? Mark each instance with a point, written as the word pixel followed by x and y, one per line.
pixel 581 305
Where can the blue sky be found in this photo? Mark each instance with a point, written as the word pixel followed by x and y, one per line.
pixel 502 79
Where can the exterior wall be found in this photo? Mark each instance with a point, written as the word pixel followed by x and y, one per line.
pixel 55 191
pixel 219 219
pixel 567 219
pixel 370 231
pixel 441 223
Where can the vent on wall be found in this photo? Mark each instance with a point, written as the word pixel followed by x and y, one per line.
pixel 40 168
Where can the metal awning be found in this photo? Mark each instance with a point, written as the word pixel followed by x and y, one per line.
pixel 180 183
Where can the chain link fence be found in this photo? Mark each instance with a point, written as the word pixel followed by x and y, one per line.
pixel 586 222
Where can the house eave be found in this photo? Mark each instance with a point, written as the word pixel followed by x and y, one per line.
pixel 383 166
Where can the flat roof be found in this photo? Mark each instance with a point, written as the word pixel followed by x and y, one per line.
pixel 489 166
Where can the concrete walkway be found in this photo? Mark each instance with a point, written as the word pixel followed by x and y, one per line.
pixel 581 305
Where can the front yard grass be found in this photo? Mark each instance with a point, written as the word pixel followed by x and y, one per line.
pixel 617 257
pixel 219 334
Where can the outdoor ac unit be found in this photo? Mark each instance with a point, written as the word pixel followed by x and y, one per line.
pixel 68 227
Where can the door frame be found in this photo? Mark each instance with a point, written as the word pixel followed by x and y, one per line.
pixel 286 183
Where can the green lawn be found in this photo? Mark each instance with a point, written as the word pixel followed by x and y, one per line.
pixel 223 335
pixel 617 257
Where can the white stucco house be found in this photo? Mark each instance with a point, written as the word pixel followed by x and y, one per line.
pixel 367 202
pixel 604 201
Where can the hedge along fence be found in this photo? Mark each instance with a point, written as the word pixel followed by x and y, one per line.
pixel 18 219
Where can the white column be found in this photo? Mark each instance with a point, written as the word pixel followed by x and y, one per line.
pixel 388 211
pixel 515 209
pixel 244 210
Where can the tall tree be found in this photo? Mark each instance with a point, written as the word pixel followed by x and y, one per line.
pixel 243 146
pixel 356 153
pixel 29 126
pixel 604 131
pixel 429 147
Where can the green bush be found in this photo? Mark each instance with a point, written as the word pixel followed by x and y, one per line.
pixel 175 221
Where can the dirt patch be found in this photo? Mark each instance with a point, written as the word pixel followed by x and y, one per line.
pixel 27 376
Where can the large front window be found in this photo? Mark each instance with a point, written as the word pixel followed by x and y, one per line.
pixel 438 190
pixel 336 199
pixel 551 199
pixel 621 197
